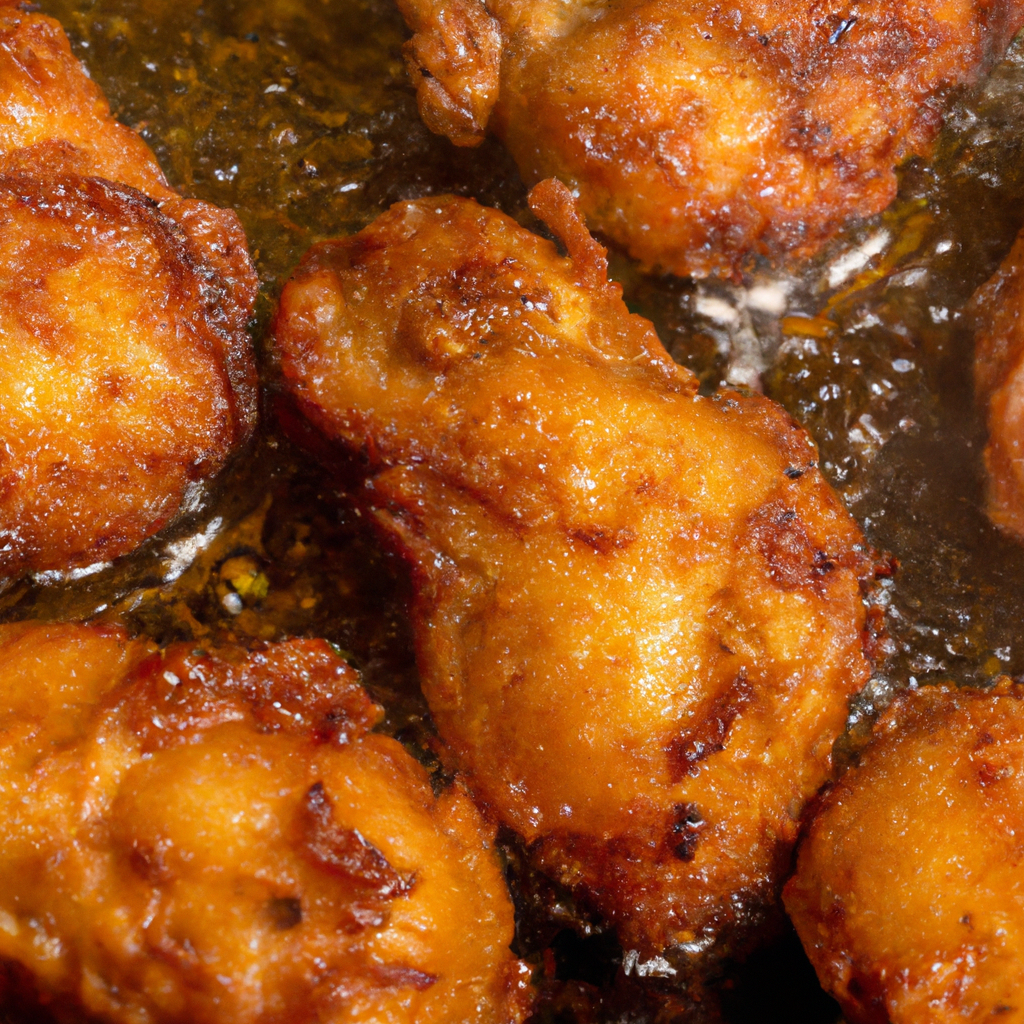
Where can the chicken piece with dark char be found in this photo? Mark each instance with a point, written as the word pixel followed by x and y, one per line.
pixel 695 133
pixel 638 611
pixel 127 376
pixel 909 890
pixel 215 835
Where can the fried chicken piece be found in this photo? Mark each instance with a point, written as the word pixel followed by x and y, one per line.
pixel 999 382
pixel 908 893
pixel 53 117
pixel 694 132
pixel 126 370
pixel 637 610
pixel 216 836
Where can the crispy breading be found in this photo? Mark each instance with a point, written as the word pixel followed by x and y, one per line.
pixel 127 371
pixel 638 610
pixel 216 836
pixel 908 894
pixel 695 132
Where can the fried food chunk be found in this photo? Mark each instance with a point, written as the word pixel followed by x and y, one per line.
pixel 638 610
pixel 216 836
pixel 999 383
pixel 126 371
pixel 909 893
pixel 697 132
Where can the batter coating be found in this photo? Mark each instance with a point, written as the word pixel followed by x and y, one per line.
pixel 126 370
pixel 999 381
pixel 697 132
pixel 638 611
pixel 216 836
pixel 909 889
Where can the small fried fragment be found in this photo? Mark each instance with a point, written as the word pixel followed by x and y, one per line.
pixel 999 383
pixel 126 371
pixel 909 889
pixel 638 611
pixel 216 836
pixel 695 133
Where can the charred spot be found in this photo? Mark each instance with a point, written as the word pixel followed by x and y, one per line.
pixel 285 913
pixel 397 976
pixel 712 730
pixel 345 854
pixel 516 678
pixel 870 992
pixel 872 566
pixel 990 774
pixel 822 563
pixel 148 863
pixel 795 563
pixel 794 473
pixel 985 739
pixel 604 540
pixel 835 916
pixel 685 836
pixel 116 385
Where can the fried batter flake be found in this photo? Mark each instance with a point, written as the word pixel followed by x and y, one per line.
pixel 999 381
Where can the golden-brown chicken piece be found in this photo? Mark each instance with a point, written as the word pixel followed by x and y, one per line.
pixel 55 119
pixel 696 132
pixel 215 836
pixel 909 893
pixel 638 610
pixel 999 380
pixel 126 370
